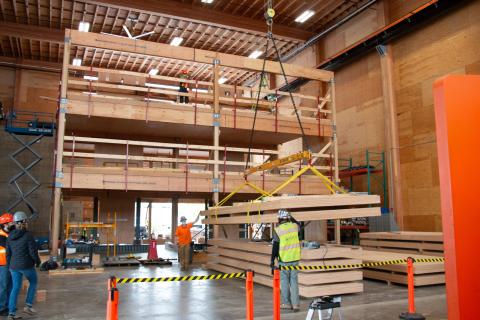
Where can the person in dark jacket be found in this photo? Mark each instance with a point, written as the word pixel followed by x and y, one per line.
pixel 22 257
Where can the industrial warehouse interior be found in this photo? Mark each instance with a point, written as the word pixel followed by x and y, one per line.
pixel 234 159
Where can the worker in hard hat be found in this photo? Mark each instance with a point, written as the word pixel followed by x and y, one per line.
pixel 6 225
pixel 183 87
pixel 184 239
pixel 22 257
pixel 287 250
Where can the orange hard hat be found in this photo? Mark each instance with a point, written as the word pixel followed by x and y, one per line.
pixel 6 218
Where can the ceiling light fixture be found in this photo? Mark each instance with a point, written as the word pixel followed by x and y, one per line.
pixel 255 54
pixel 84 26
pixel 222 80
pixel 307 14
pixel 176 41
pixel 77 62
pixel 207 1
pixel 153 72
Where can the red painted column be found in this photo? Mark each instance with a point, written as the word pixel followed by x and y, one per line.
pixel 457 115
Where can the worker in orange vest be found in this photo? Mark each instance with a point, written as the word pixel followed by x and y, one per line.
pixel 6 224
pixel 184 239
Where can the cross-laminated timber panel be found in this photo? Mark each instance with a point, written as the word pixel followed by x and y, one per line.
pixel 234 256
pixel 298 202
pixel 171 180
pixel 165 112
pixel 101 41
pixel 299 216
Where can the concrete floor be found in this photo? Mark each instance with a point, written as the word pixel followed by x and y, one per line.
pixel 84 297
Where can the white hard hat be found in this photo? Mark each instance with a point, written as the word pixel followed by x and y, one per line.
pixel 20 216
pixel 283 214
pixel 183 219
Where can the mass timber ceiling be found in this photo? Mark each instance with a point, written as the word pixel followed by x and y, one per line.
pixel 33 29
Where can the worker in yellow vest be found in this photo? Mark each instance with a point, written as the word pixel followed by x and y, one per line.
pixel 286 249
pixel 6 224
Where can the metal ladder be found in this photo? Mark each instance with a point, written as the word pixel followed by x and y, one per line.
pixel 324 303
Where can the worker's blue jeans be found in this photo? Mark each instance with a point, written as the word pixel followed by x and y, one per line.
pixel 5 287
pixel 289 284
pixel 17 277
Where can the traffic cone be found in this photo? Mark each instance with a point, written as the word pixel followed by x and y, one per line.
pixel 152 250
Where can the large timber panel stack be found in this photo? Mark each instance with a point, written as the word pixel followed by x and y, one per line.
pixel 425 273
pixel 236 256
pixel 429 243
pixel 303 208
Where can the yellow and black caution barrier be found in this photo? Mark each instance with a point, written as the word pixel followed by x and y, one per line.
pixel 362 265
pixel 218 276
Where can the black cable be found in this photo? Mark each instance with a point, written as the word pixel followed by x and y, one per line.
pixel 256 106
pixel 270 35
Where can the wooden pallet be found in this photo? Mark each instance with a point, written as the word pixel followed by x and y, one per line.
pixel 64 272
pixel 429 243
pixel 425 273
pixel 237 256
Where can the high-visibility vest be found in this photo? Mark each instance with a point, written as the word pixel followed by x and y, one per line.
pixel 3 250
pixel 289 242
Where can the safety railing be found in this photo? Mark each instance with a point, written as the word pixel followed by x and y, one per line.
pixel 93 82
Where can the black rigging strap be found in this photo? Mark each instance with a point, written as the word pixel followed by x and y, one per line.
pixel 269 14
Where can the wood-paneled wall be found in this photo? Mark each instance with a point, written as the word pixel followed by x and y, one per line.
pixel 450 45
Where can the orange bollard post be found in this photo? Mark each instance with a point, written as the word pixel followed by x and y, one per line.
pixel 276 294
pixel 249 290
pixel 411 314
pixel 112 302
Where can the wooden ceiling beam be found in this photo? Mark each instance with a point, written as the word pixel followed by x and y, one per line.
pixel 199 14
pixel 31 32
pixel 102 41
pixel 30 64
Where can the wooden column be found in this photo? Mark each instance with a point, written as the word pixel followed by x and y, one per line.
pixel 392 150
pixel 138 208
pixel 59 148
pixel 216 130
pixel 174 216
pixel 216 138
pixel 149 227
pixel 336 178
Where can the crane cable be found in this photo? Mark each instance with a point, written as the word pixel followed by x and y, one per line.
pixel 269 14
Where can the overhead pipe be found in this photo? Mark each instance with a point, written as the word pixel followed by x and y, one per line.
pixel 318 36
pixel 413 20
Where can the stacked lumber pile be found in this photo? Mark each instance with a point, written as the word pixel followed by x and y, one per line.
pixel 425 273
pixel 381 246
pixel 428 243
pixel 303 208
pixel 240 255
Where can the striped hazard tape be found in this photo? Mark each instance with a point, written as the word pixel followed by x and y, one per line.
pixel 361 265
pixel 219 276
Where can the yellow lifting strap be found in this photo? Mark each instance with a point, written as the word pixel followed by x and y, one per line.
pixel 304 155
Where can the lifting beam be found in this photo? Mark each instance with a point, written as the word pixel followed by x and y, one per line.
pixel 304 155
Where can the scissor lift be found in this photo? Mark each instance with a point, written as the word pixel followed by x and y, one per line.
pixel 36 125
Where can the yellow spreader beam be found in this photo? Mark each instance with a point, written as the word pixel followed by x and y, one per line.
pixel 307 155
